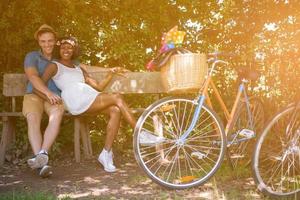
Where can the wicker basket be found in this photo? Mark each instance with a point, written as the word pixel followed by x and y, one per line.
pixel 184 73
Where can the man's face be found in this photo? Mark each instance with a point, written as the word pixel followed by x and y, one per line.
pixel 47 42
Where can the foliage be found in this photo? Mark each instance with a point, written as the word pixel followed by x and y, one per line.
pixel 264 35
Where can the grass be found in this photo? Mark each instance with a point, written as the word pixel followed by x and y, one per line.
pixel 27 195
pixel 226 173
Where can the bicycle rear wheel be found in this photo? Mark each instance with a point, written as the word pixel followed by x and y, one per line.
pixel 166 161
pixel 244 132
pixel 276 159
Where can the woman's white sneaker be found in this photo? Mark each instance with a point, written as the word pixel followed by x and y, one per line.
pixel 111 161
pixel 105 158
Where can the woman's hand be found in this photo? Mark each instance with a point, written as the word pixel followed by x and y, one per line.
pixel 119 70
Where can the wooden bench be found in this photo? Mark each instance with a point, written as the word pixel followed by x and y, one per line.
pixel 14 85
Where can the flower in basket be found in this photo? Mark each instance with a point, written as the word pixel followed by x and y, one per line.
pixel 170 40
pixel 173 38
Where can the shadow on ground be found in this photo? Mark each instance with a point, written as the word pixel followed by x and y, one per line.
pixel 87 180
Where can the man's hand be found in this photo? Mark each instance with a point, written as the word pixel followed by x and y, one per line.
pixel 53 98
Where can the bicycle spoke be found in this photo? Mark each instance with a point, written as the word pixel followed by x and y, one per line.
pixel 150 147
pixel 167 151
pixel 203 135
pixel 171 162
pixel 276 164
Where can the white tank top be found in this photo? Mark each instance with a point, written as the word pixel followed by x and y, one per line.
pixel 76 94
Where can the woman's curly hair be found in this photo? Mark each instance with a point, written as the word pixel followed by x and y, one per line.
pixel 70 40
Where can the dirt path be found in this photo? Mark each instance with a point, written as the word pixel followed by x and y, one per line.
pixel 87 180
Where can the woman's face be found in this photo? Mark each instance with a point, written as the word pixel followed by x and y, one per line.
pixel 66 51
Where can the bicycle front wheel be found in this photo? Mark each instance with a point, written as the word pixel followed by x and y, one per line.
pixel 166 160
pixel 246 128
pixel 276 159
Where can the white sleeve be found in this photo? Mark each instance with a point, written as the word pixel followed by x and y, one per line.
pixel 58 72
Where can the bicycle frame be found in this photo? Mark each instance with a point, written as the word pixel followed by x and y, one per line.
pixel 203 95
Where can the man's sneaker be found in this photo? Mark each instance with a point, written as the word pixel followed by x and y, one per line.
pixel 38 161
pixel 149 139
pixel 105 158
pixel 45 171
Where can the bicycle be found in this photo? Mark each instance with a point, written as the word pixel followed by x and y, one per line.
pixel 276 159
pixel 181 142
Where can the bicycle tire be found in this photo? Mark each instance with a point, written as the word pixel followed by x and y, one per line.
pixel 172 165
pixel 273 155
pixel 240 150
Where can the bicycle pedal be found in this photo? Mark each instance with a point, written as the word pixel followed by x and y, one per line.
pixel 236 156
pixel 165 161
pixel 247 133
pixel 216 143
pixel 198 155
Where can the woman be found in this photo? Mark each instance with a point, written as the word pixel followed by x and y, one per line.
pixel 80 94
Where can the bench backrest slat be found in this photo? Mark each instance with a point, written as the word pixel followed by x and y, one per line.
pixel 134 82
pixel 14 85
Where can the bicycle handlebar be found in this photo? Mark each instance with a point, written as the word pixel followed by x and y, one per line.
pixel 214 64
pixel 215 60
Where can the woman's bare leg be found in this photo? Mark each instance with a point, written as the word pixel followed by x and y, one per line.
pixel 114 105
pixel 112 126
pixel 103 101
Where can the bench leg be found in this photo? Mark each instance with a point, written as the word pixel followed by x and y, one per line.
pixel 7 136
pixel 77 139
pixel 81 128
pixel 89 140
pixel 85 137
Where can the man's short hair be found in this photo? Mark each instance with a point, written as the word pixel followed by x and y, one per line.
pixel 44 29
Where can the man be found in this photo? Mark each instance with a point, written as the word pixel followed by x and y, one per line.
pixel 34 106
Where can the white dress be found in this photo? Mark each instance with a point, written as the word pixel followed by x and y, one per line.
pixel 76 94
